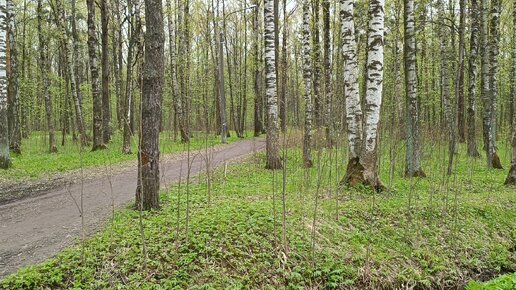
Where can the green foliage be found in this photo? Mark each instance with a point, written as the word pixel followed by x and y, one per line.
pixel 505 282
pixel 450 234
pixel 35 161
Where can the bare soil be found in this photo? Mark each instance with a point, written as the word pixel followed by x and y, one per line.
pixel 46 218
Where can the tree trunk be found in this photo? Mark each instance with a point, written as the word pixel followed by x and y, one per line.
pixel 318 114
pixel 307 77
pixel 13 95
pixel 460 73
pixel 511 177
pixel 258 105
pixel 44 66
pixel 284 71
pixel 413 151
pixel 272 146
pixel 147 191
pixel 492 158
pixel 472 75
pixel 106 104
pixel 5 161
pixel 134 31
pixel 351 94
pixel 328 89
pixel 98 141
pixel 176 94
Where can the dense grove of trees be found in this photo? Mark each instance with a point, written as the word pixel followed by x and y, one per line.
pixel 222 65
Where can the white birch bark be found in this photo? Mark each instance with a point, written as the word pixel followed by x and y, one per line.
pixel 272 146
pixel 374 89
pixel 351 85
pixel 307 77
pixel 4 134
pixel 413 152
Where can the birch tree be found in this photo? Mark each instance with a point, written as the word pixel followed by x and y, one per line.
pixel 5 160
pixel 147 192
pixel 413 151
pixel 13 96
pixel 272 143
pixel 351 92
pixel 472 75
pixel 307 77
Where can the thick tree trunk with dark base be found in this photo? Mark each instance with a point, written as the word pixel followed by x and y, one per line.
pixel 5 160
pixel 147 191
pixel 472 75
pixel 273 146
pixel 413 151
pixel 351 91
pixel 98 141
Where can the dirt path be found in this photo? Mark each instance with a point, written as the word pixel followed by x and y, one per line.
pixel 36 228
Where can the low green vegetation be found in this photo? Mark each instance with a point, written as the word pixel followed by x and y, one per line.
pixel 503 282
pixel 432 233
pixel 35 161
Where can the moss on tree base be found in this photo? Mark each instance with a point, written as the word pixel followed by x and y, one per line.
pixel 496 162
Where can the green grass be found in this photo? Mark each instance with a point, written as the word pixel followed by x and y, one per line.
pixel 455 230
pixel 503 282
pixel 35 161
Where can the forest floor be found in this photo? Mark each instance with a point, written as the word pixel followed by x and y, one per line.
pixel 36 228
pixel 238 229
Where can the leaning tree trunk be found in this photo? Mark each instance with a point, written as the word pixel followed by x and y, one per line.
pixel 413 150
pixel 147 191
pixel 5 160
pixel 492 158
pixel 272 146
pixel 511 177
pixel 13 95
pixel 98 142
pixel 44 67
pixel 472 74
pixel 307 77
pixel 351 93
pixel 106 105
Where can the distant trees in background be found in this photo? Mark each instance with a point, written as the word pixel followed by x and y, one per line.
pixel 317 65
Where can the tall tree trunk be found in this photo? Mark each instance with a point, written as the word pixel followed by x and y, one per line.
pixel 176 93
pixel 147 191
pixel 284 70
pixel 492 156
pixel 328 86
pixel 511 177
pixel 413 151
pixel 374 90
pixel 98 141
pixel 318 114
pixel 272 146
pixel 258 104
pixel 44 66
pixel 13 95
pixel 5 160
pixel 307 77
pixel 472 75
pixel 446 55
pixel 460 73
pixel 351 93
pixel 106 104
pixel 134 31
